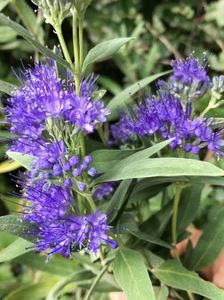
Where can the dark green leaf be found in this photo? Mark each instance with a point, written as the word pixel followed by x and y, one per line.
pixel 173 274
pixel 104 50
pixel 210 244
pixel 131 274
pixel 123 98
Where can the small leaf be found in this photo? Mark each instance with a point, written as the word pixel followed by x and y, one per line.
pixel 160 167
pixel 173 274
pixel 31 39
pixel 124 97
pixel 24 160
pixel 131 274
pixel 104 50
pixel 6 87
pixel 18 227
pixel 9 166
pixel 15 249
pixel 210 244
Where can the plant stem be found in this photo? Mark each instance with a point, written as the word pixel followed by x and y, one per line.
pixel 175 212
pixel 81 47
pixel 63 44
pixel 91 202
pixel 76 51
pixel 97 279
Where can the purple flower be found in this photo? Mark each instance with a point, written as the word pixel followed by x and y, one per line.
pixel 189 77
pixel 59 231
pixel 41 95
pixel 188 71
pixel 98 232
pixel 123 130
pixel 103 190
pixel 165 117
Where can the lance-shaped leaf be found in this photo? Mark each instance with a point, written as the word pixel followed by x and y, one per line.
pixel 160 167
pixel 173 274
pixel 104 50
pixel 123 98
pixel 131 274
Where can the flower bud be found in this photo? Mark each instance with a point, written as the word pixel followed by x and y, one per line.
pixel 54 11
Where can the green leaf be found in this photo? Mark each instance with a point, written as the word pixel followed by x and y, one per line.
pixel 123 98
pixel 128 159
pixel 148 238
pixel 188 207
pixel 57 265
pixel 131 274
pixel 34 291
pixel 7 34
pixel 161 292
pixel 75 277
pixel 3 4
pixel 15 249
pixel 160 167
pixel 28 18
pixel 105 159
pixel 6 87
pixel 31 39
pixel 8 166
pixel 104 50
pixel 24 160
pixel 210 244
pixel 112 86
pixel 118 198
pixel 173 274
pixel 18 227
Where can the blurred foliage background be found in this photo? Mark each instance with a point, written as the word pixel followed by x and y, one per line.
pixel 162 30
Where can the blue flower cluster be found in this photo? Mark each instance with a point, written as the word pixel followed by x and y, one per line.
pixel 43 95
pixel 50 119
pixel 58 228
pixel 167 116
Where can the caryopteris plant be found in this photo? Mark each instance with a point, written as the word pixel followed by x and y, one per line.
pixel 116 195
